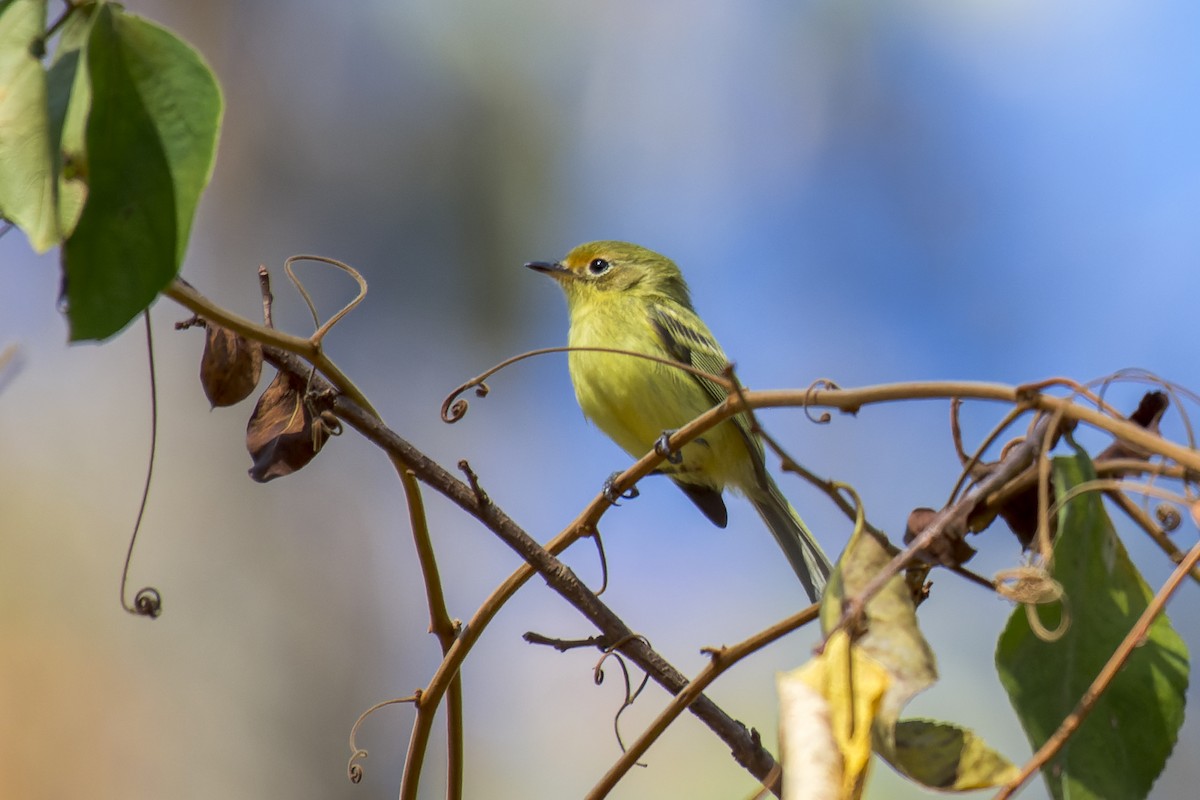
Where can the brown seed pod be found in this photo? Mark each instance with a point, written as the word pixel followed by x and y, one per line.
pixel 230 367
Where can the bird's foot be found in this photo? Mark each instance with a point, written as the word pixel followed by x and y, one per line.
pixel 663 448
pixel 612 495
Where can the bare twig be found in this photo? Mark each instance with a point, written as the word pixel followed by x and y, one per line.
pixel 464 467
pixel 183 293
pixel 1152 529
pixel 721 659
pixel 746 749
pixel 445 629
pixel 564 645
pixel 952 517
pixel 849 400
pixel 970 463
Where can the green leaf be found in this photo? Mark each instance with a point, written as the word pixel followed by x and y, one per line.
pixel 1122 746
pixel 150 138
pixel 184 102
pixel 27 177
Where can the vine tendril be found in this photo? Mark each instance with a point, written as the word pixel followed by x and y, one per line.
pixel 454 407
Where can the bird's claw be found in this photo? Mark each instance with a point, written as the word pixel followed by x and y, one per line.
pixel 612 495
pixel 663 448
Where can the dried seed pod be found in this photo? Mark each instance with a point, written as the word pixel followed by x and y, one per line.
pixel 283 433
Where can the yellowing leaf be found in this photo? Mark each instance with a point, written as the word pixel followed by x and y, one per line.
pixel 892 636
pixel 828 707
pixel 944 756
pixel 937 755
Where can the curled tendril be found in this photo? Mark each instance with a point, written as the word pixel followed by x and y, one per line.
pixel 1168 516
pixel 331 423
pixel 148 602
pixel 1032 586
pixel 319 334
pixel 455 407
pixel 354 770
pixel 1174 391
pixel 598 670
pixel 820 383
pixel 631 694
pixel 595 535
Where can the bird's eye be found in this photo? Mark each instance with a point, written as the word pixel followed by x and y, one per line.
pixel 598 266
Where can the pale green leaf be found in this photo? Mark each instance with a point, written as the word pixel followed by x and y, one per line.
pixel 70 98
pixel 26 173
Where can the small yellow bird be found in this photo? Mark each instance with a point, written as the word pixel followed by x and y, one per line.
pixel 626 297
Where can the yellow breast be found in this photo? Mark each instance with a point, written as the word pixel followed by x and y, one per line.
pixel 634 400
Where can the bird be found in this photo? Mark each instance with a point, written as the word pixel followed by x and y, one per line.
pixel 627 297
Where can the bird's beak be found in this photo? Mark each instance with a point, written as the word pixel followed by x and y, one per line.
pixel 552 268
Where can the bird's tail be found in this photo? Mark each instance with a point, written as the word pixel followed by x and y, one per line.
pixel 802 551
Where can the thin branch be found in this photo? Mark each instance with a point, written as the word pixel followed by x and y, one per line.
pixel 446 631
pixel 975 459
pixel 354 409
pixel 855 399
pixel 183 293
pixel 565 645
pixel 830 488
pixel 58 23
pixel 1152 529
pixel 746 749
pixel 1132 640
pixel 952 517
pixel 847 400
pixel 721 659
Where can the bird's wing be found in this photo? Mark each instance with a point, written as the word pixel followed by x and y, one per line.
pixel 688 340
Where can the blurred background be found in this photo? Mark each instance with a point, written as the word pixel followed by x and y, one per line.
pixel 868 192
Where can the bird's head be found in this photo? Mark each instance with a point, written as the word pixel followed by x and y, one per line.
pixel 597 269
